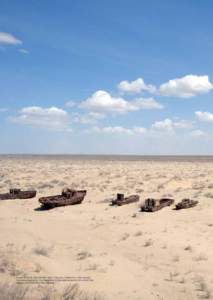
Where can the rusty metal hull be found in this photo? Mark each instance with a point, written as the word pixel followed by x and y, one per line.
pixel 63 200
pixel 186 203
pixel 18 195
pixel 152 205
pixel 126 200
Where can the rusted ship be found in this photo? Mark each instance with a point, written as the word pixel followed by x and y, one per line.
pixel 17 194
pixel 121 200
pixel 67 197
pixel 186 203
pixel 152 205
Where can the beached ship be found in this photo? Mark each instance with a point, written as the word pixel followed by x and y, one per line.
pixel 17 194
pixel 186 203
pixel 152 205
pixel 121 200
pixel 67 197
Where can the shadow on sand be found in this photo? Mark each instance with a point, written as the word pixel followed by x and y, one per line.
pixel 43 208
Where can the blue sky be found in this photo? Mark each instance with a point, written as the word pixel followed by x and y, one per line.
pixel 108 77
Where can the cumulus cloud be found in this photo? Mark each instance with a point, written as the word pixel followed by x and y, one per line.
pixel 169 125
pixel 9 39
pixel 103 102
pixel 186 87
pixel 90 118
pixel 165 125
pixel 135 86
pixel 204 116
pixel 120 130
pixel 51 118
pixel 146 103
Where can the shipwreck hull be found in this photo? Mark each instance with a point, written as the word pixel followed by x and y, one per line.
pixel 121 200
pixel 17 194
pixel 152 205
pixel 66 198
pixel 186 203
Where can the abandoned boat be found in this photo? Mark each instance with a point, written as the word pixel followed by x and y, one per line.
pixel 152 205
pixel 121 200
pixel 67 197
pixel 186 203
pixel 17 194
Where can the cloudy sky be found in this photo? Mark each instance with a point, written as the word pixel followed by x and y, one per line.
pixel 108 77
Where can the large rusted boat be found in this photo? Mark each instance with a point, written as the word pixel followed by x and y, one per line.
pixel 152 205
pixel 17 194
pixel 186 203
pixel 121 200
pixel 67 197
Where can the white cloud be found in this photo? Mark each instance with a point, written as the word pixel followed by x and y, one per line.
pixel 197 133
pixel 204 116
pixel 103 102
pixel 169 125
pixel 183 124
pixel 120 130
pixel 146 103
pixel 51 118
pixel 139 130
pixel 90 118
pixel 135 86
pixel 24 51
pixel 70 103
pixel 186 87
pixel 9 39
pixel 165 125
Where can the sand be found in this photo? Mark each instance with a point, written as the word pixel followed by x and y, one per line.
pixel 125 253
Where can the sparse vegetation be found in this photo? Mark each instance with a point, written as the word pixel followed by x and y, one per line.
pixel 208 195
pixel 83 255
pixel 148 243
pixel 202 289
pixel 42 250
pixel 188 248
pixel 125 236
pixel 139 233
pixel 8 265
pixel 70 292
pixel 12 292
pixel 201 257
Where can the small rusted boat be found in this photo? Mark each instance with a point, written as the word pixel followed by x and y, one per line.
pixel 17 194
pixel 121 200
pixel 152 205
pixel 186 203
pixel 67 197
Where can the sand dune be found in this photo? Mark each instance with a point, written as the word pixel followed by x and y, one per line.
pixel 127 254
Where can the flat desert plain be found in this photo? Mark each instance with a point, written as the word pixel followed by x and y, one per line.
pixel 109 252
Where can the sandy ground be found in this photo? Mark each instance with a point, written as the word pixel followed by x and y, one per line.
pixel 126 253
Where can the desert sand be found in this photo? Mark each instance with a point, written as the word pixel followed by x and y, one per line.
pixel 127 254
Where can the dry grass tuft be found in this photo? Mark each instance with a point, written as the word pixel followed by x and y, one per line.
pixel 42 250
pixel 188 248
pixel 148 243
pixel 83 255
